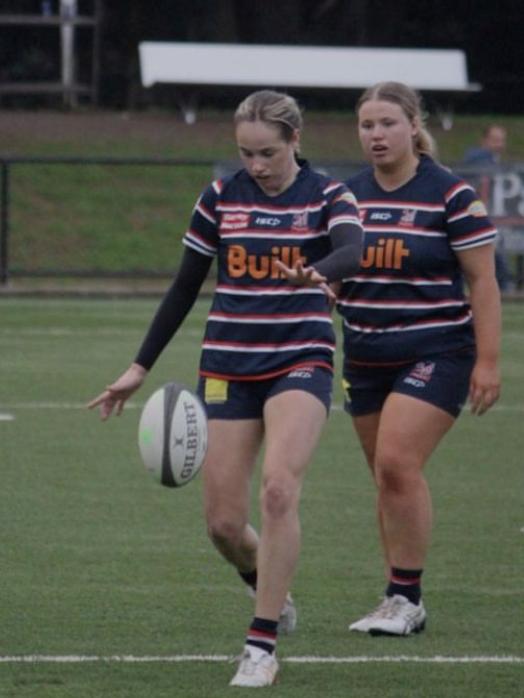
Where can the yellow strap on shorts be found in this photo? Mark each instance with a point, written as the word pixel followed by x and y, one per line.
pixel 215 390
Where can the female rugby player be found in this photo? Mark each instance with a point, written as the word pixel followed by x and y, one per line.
pixel 267 355
pixel 416 346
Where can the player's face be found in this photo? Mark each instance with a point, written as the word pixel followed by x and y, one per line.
pixel 496 140
pixel 268 158
pixel 386 134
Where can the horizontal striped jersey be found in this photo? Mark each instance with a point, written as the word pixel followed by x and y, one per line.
pixel 407 300
pixel 259 325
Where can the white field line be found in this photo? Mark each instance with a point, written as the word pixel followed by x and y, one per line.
pixel 181 658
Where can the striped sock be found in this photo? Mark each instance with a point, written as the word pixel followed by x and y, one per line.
pixel 406 583
pixel 263 634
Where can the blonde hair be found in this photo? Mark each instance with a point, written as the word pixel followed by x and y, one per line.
pixel 273 108
pixel 411 104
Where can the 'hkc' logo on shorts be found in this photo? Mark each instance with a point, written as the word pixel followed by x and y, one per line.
pixel 301 373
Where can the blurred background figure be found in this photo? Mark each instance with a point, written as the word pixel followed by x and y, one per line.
pixel 491 149
pixel 489 153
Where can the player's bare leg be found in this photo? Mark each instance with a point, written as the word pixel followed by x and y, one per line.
pixel 227 472
pixel 366 427
pixel 294 421
pixel 409 432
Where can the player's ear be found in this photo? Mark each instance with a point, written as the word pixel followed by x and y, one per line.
pixel 295 140
pixel 415 127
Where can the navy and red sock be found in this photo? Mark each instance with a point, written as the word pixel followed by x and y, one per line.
pixel 405 583
pixel 262 633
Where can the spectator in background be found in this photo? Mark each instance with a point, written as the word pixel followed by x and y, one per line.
pixel 488 155
pixel 491 149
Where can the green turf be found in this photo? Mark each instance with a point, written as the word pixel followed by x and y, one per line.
pixel 97 559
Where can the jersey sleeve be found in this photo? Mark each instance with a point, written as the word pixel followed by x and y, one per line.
pixel 467 219
pixel 342 206
pixel 202 234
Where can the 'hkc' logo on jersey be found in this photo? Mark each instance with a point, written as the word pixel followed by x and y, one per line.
pixel 386 254
pixel 260 266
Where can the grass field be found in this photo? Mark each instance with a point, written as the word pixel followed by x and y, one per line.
pixel 110 587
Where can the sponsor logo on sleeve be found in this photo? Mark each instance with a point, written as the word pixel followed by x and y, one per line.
pixel 348 197
pixel 477 209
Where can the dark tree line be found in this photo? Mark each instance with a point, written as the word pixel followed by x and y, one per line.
pixel 489 33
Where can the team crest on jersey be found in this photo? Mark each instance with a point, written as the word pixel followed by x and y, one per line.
pixel 408 216
pixel 421 374
pixel 299 221
pixel 235 221
pixel 477 209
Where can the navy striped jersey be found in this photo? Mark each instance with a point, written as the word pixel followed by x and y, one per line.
pixel 407 300
pixel 259 325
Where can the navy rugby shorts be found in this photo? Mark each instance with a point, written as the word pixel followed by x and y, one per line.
pixel 442 380
pixel 230 399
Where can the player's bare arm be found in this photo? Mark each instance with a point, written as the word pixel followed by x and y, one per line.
pixel 115 395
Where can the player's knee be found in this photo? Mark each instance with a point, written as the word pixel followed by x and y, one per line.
pixel 224 530
pixel 395 473
pixel 277 496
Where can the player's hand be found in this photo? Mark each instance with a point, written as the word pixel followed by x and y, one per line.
pixel 299 275
pixel 335 287
pixel 115 395
pixel 484 387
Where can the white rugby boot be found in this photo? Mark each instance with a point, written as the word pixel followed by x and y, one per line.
pixel 395 615
pixel 257 668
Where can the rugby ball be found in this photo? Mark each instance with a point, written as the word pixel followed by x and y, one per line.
pixel 172 435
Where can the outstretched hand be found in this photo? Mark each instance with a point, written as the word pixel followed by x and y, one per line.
pixel 115 395
pixel 299 275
